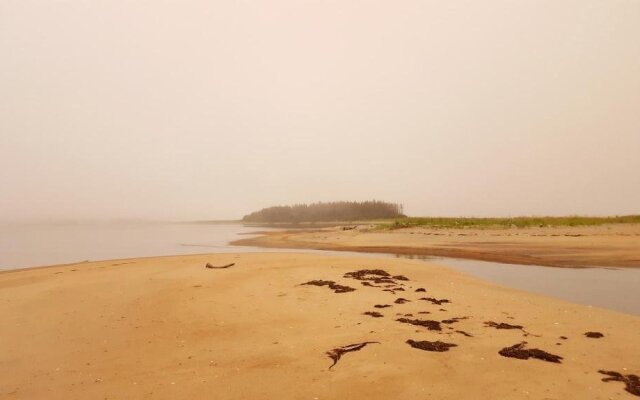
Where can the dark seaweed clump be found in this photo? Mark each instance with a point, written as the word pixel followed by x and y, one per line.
pixel 374 275
pixel 374 314
pixel 382 305
pixel 420 289
pixel 632 382
pixel 433 300
pixel 518 351
pixel 332 285
pixel 429 324
pixel 594 335
pixel 502 325
pixel 337 353
pixel 401 300
pixel 378 276
pixel 430 346
pixel 453 320
pixel 362 274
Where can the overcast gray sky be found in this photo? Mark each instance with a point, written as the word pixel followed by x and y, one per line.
pixel 211 109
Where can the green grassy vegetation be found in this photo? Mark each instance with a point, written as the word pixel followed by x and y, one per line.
pixel 519 222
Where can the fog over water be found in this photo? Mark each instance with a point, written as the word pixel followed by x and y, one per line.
pixel 183 110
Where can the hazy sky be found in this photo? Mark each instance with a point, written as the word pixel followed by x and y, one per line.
pixel 211 109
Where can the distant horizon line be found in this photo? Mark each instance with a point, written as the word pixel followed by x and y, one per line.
pixel 72 221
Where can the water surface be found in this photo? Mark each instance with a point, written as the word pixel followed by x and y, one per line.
pixel 613 288
pixel 37 245
pixel 30 245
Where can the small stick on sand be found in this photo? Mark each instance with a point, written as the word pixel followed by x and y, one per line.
pixel 219 267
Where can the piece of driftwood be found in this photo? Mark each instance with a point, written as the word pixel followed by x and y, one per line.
pixel 219 267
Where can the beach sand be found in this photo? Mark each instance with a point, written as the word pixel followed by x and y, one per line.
pixel 616 245
pixel 169 328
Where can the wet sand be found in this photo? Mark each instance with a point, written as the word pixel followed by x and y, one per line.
pixel 574 247
pixel 288 326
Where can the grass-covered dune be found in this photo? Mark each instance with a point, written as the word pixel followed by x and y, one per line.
pixel 519 222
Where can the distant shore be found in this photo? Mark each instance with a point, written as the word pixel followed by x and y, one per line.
pixel 614 245
pixel 249 328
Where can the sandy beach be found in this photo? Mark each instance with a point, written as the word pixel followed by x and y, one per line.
pixel 616 245
pixel 170 328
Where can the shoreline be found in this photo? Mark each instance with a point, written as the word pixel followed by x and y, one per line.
pixel 563 247
pixel 169 328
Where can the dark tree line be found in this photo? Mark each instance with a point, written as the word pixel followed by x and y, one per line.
pixel 333 211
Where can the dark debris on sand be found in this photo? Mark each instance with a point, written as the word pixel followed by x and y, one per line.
pixel 373 275
pixel 362 274
pixel 429 324
pixel 378 276
pixel 430 346
pixel 502 325
pixel 594 335
pixel 632 382
pixel 401 300
pixel 464 333
pixel 453 320
pixel 382 305
pixel 337 353
pixel 518 351
pixel 420 289
pixel 332 285
pixel 210 266
pixel 373 314
pixel 433 300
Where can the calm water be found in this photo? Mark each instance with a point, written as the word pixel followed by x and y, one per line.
pixel 616 289
pixel 35 245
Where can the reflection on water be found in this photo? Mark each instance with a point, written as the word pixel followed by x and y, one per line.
pixel 34 245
